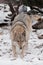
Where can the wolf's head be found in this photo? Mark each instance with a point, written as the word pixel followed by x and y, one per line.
pixel 19 35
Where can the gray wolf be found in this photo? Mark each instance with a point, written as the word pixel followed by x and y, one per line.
pixel 20 33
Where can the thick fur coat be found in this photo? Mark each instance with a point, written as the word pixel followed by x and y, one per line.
pixel 20 33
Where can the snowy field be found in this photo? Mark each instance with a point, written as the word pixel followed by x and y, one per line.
pixel 34 53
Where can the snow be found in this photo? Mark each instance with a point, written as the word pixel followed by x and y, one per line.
pixel 34 53
pixel 28 9
pixel 40 32
pixel 4 14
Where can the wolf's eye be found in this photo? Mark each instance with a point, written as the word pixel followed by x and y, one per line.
pixel 23 33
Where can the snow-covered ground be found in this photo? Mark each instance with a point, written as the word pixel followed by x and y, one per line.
pixel 4 11
pixel 34 53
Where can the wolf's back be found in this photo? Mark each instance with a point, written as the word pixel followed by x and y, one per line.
pixel 24 18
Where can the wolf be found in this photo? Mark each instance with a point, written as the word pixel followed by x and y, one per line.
pixel 20 33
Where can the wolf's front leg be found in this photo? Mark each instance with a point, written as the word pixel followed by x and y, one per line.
pixel 24 49
pixel 14 51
